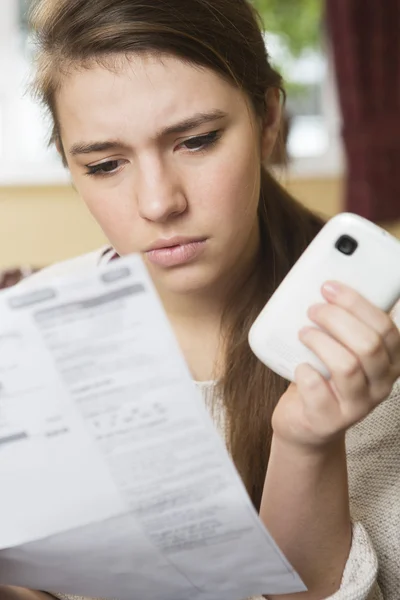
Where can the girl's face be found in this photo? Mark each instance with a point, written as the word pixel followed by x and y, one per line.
pixel 167 158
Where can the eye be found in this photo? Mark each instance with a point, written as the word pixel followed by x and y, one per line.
pixel 201 142
pixel 106 168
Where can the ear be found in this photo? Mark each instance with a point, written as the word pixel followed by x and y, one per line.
pixel 271 123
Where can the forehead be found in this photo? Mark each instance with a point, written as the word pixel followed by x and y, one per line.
pixel 142 94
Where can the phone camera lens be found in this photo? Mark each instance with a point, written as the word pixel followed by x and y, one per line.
pixel 346 245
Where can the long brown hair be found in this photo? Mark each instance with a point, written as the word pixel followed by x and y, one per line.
pixel 225 36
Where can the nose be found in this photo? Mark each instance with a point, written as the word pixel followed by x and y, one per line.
pixel 160 193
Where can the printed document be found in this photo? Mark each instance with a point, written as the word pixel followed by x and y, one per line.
pixel 114 482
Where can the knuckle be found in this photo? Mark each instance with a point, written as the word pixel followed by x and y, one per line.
pixel 349 367
pixel 350 300
pixel 371 347
pixel 307 377
pixel 312 382
pixel 388 328
pixel 325 312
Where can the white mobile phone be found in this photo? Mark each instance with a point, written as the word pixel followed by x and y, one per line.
pixel 349 249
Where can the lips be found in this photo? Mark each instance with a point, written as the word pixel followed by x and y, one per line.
pixel 175 251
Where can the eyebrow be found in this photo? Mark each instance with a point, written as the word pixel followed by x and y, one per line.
pixel 182 127
pixel 88 148
pixel 193 122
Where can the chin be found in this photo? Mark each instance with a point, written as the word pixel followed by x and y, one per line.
pixel 189 279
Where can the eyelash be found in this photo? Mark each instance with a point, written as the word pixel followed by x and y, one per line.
pixel 205 143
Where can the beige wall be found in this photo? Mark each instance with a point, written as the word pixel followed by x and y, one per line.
pixel 41 225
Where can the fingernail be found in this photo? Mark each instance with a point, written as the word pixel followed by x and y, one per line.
pixel 332 289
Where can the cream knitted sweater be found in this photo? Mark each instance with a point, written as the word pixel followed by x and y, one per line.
pixel 372 571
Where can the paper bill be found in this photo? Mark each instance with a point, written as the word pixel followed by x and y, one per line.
pixel 114 481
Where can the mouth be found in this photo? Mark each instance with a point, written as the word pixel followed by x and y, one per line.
pixel 175 251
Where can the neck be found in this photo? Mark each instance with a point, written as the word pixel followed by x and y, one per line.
pixel 196 317
pixel 208 304
pixel 204 306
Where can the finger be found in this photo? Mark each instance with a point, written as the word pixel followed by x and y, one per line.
pixel 360 340
pixel 320 405
pixel 348 379
pixel 392 342
pixel 348 299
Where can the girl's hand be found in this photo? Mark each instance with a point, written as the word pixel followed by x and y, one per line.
pixel 360 346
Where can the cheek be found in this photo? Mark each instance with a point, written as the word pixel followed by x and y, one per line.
pixel 234 188
pixel 115 214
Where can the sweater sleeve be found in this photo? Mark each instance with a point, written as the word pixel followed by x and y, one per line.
pixel 359 577
pixel 359 580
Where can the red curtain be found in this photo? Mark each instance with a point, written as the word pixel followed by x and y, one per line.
pixel 365 37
